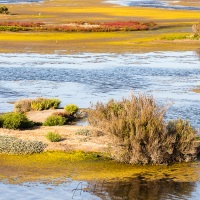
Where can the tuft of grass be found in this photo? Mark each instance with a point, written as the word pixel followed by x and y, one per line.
pixel 53 136
pixel 71 109
pixel 54 121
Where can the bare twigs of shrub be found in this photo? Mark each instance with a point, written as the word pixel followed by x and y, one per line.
pixel 140 134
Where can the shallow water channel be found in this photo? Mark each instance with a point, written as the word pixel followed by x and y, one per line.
pixel 165 4
pixel 87 78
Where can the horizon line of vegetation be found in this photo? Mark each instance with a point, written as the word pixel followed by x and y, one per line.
pixel 78 26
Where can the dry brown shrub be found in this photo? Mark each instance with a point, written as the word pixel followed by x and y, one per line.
pixel 23 105
pixel 196 28
pixel 140 134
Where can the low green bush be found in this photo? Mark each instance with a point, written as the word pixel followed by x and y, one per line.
pixel 13 28
pixel 23 105
pixel 12 145
pixel 71 109
pixel 16 121
pixel 44 104
pixel 53 136
pixel 54 121
pixel 4 10
pixel 1 121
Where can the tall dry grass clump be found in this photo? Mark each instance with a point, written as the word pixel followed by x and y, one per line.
pixel 23 105
pixel 139 133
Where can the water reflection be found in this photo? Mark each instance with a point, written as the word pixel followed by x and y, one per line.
pixel 141 189
pixel 129 189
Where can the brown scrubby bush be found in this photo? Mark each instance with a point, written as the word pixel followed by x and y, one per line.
pixel 196 29
pixel 140 134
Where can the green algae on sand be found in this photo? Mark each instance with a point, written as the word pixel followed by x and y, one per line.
pixel 87 166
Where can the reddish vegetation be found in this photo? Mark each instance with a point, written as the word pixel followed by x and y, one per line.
pixel 22 24
pixel 85 26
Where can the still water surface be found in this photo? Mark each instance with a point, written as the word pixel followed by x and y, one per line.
pixel 165 4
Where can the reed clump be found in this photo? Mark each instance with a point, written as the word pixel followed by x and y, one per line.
pixel 140 134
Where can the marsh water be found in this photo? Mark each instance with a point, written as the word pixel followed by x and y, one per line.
pixel 84 78
pixel 166 4
pixel 87 78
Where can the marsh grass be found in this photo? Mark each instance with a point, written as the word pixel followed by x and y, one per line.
pixel 26 105
pixel 55 121
pixel 140 134
pixel 71 109
pixel 53 136
pixel 44 104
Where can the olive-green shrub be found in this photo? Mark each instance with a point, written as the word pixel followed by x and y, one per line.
pixel 4 10
pixel 1 121
pixel 12 145
pixel 71 109
pixel 53 136
pixel 16 121
pixel 54 121
pixel 44 104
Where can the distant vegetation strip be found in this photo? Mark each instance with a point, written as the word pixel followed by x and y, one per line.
pixel 78 26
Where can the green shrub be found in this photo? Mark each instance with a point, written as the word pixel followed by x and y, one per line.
pixel 16 121
pixel 53 136
pixel 139 133
pixel 1 121
pixel 12 145
pixel 54 121
pixel 4 10
pixel 23 105
pixel 44 104
pixel 71 109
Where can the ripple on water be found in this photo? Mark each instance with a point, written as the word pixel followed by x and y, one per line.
pixel 166 4
pixel 85 78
